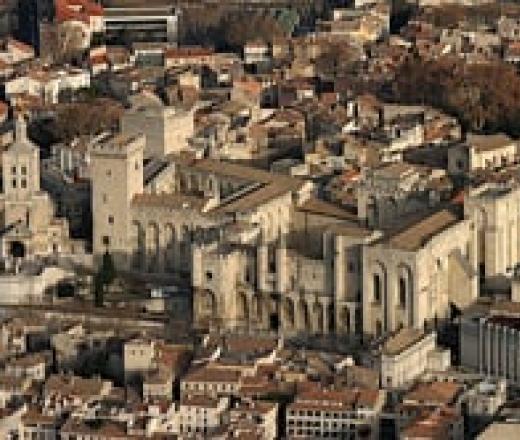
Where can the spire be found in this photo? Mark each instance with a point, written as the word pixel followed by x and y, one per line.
pixel 21 128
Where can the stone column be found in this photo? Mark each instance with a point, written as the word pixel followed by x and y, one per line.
pixel 161 248
pixel 498 350
pixel 176 250
pixel 299 323
pixel 262 267
pixel 516 353
pixel 281 265
pixel 390 292
pixel 325 311
pixel 491 256
pixel 488 349
pixel 196 273
pixel 340 268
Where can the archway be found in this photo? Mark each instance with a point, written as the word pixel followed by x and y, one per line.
pixel 303 315
pixel 169 249
pixel 17 249
pixel 288 315
pixel 372 212
pixel 379 292
pixel 152 246
pixel 242 307
pixel 274 313
pixel 185 244
pixel 481 223
pixel 317 311
pixel 257 307
pixel 138 245
pixel 345 319
pixel 405 294
pixel 331 318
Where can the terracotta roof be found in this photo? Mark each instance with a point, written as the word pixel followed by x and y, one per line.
pixel 19 45
pixel 255 407
pixel 27 361
pixel 98 428
pixel 12 383
pixel 199 400
pixel 79 10
pixel 251 86
pixel 347 399
pixel 245 344
pixel 435 425
pixel 188 52
pixel 98 59
pixel 34 416
pixel 394 170
pixel 438 393
pixel 212 374
pixel 74 386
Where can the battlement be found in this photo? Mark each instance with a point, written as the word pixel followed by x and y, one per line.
pixel 118 144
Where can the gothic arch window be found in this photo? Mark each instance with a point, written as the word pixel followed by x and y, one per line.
pixel 379 328
pixel 377 288
pixel 402 292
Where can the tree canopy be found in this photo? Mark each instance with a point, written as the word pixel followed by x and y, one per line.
pixel 484 97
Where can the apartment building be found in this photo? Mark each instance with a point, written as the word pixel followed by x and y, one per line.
pixel 334 414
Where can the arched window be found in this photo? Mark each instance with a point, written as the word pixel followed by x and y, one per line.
pixel 379 328
pixel 377 288
pixel 402 292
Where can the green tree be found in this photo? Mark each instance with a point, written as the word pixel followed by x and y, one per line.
pixel 288 19
pixel 107 271
pixel 105 276
pixel 99 291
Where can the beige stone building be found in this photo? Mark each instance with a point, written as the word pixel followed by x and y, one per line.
pixel 200 416
pixel 257 246
pixel 263 253
pixel 387 193
pixel 329 414
pixel 412 275
pixel 138 357
pixel 494 210
pixel 480 152
pixel 408 354
pixel 34 424
pixel 27 213
pixel 166 129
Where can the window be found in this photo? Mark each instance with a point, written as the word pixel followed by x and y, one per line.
pixel 110 220
pixel 379 328
pixel 24 183
pixel 13 170
pixel 14 183
pixel 377 288
pixel 402 292
pixel 24 170
pixel 271 259
pixel 209 276
pixel 106 240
